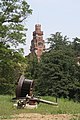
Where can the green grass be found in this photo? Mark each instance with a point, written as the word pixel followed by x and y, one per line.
pixel 64 107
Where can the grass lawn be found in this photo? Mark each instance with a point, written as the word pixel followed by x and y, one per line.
pixel 64 107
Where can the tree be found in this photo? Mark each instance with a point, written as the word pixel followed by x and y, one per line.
pixel 57 41
pixel 12 14
pixel 76 46
pixel 12 32
pixel 58 71
pixel 31 71
pixel 12 65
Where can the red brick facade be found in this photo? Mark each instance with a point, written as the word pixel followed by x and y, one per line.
pixel 37 43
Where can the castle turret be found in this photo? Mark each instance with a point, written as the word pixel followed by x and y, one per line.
pixel 37 43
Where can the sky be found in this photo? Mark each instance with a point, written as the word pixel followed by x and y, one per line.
pixel 54 16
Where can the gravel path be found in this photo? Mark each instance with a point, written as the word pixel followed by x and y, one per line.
pixel 36 116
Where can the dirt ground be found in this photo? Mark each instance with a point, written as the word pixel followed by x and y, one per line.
pixel 36 116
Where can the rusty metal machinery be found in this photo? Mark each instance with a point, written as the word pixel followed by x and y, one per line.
pixel 24 94
pixel 24 87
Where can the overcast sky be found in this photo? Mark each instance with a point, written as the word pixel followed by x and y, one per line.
pixel 54 16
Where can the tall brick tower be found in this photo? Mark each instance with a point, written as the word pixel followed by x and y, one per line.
pixel 37 43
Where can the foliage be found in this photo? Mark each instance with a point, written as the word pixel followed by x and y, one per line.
pixel 57 41
pixel 12 64
pixel 76 46
pixel 12 32
pixel 59 75
pixel 31 71
pixel 12 14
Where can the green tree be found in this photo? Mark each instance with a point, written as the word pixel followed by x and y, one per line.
pixel 58 70
pixel 12 15
pixel 32 66
pixel 12 32
pixel 76 46
pixel 57 41
pixel 12 65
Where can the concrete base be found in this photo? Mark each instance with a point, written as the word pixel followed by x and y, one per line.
pixel 26 106
pixel 31 106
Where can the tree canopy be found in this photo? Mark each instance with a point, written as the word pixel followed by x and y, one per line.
pixel 12 14
pixel 12 65
pixel 58 73
pixel 12 32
